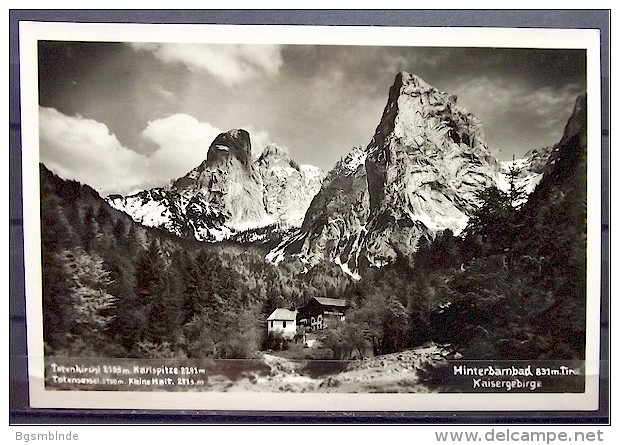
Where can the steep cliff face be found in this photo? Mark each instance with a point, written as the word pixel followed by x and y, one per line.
pixel 418 175
pixel 334 222
pixel 228 193
pixel 564 176
pixel 570 152
pixel 288 186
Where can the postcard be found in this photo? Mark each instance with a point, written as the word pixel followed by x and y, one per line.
pixel 306 218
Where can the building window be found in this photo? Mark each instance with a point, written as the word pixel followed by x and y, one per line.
pixel 272 323
pixel 284 324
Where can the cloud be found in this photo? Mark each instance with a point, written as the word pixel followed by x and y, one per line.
pixel 85 150
pixel 517 117
pixel 231 64
pixel 182 143
pixel 504 95
pixel 259 140
pixel 163 93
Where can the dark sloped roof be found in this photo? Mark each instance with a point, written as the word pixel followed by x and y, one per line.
pixel 331 301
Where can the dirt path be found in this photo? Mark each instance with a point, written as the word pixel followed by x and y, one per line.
pixel 388 373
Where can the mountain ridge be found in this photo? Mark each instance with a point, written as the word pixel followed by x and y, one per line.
pixel 419 175
pixel 228 193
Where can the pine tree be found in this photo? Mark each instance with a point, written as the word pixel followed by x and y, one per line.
pixel 149 289
pixel 487 230
pixel 55 237
pixel 120 231
pixel 88 229
pixel 517 195
pixel 193 285
pixel 129 320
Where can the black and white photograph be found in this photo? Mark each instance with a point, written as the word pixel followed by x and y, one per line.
pixel 312 218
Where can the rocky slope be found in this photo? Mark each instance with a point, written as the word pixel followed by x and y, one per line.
pixel 418 175
pixel 228 193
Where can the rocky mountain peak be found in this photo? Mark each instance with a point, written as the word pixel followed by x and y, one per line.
pixel 410 100
pixel 273 151
pixel 234 143
pixel 577 121
pixel 274 155
pixel 427 145
pixel 229 193
pixel 574 129
pixel 418 175
pixel 348 164
pixel 409 81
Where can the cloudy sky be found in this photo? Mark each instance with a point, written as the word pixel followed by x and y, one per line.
pixel 124 117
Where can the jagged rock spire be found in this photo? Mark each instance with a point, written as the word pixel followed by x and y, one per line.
pixel 418 175
pixel 232 143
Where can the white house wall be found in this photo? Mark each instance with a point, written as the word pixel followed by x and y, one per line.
pixel 278 329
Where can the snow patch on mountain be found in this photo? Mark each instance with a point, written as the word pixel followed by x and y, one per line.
pixel 528 171
pixel 312 175
pixel 352 161
pixel 345 268
pixel 151 213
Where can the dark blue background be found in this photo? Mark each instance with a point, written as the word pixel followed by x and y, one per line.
pixel 21 413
